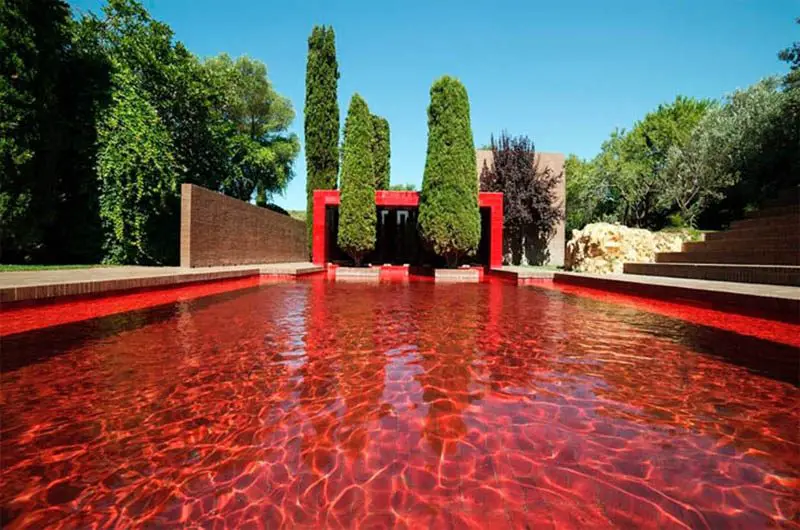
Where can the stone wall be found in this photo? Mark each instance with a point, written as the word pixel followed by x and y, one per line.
pixel 220 230
pixel 552 252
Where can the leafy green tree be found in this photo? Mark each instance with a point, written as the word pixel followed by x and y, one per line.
pixel 739 154
pixel 627 182
pixel 321 124
pixel 137 175
pixel 78 98
pixel 261 198
pixel 635 161
pixel 786 133
pixel 163 116
pixel 226 128
pixel 83 92
pixel 261 150
pixel 792 56
pixel 34 51
pixel 583 196
pixel 449 218
pixel 175 83
pixel 403 187
pixel 53 79
pixel 357 214
pixel 19 134
pixel 381 152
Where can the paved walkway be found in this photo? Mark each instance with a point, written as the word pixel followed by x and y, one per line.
pixel 752 289
pixel 779 302
pixel 784 292
pixel 775 302
pixel 33 285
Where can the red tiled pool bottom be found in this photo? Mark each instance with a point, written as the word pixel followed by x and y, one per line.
pixel 321 404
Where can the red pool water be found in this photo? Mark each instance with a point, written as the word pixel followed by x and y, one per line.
pixel 316 404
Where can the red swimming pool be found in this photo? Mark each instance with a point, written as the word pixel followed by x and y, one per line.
pixel 406 405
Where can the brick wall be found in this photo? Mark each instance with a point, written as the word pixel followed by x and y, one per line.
pixel 221 230
pixel 554 161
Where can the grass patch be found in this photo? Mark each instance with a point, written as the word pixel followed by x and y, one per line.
pixel 13 268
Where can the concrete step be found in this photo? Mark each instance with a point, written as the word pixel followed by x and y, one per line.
pixel 776 211
pixel 786 242
pixel 779 222
pixel 765 274
pixel 749 257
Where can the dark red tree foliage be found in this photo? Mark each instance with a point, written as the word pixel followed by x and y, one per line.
pixel 529 192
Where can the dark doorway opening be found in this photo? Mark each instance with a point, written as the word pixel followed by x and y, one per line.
pixel 398 241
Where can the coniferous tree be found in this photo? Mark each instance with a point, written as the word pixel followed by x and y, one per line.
pixel 321 117
pixel 449 218
pixel 381 152
pixel 357 216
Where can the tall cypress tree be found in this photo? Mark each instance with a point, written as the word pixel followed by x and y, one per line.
pixel 381 152
pixel 321 117
pixel 449 218
pixel 357 216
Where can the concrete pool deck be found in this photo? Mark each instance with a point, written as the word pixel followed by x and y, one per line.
pixel 770 301
pixel 20 286
pixel 764 300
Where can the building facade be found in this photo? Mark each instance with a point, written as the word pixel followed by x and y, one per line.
pixel 552 252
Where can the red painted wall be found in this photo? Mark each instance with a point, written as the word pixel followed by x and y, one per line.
pixel 408 199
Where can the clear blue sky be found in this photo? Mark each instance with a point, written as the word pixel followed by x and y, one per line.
pixel 563 72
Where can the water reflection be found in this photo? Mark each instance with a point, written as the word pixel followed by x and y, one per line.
pixel 448 325
pixel 321 405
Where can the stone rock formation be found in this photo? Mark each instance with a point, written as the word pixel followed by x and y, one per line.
pixel 604 248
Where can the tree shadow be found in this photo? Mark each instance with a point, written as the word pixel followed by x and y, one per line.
pixel 526 247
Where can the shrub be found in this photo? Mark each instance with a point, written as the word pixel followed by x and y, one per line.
pixel 357 215
pixel 530 207
pixel 449 218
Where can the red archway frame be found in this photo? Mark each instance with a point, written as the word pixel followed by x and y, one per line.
pixel 324 198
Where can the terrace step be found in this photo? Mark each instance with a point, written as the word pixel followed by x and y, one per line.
pixel 786 197
pixel 756 232
pixel 764 274
pixel 776 211
pixel 786 242
pixel 749 257
pixel 778 222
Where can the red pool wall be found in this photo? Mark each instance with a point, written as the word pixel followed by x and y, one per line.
pixel 219 230
pixel 409 199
